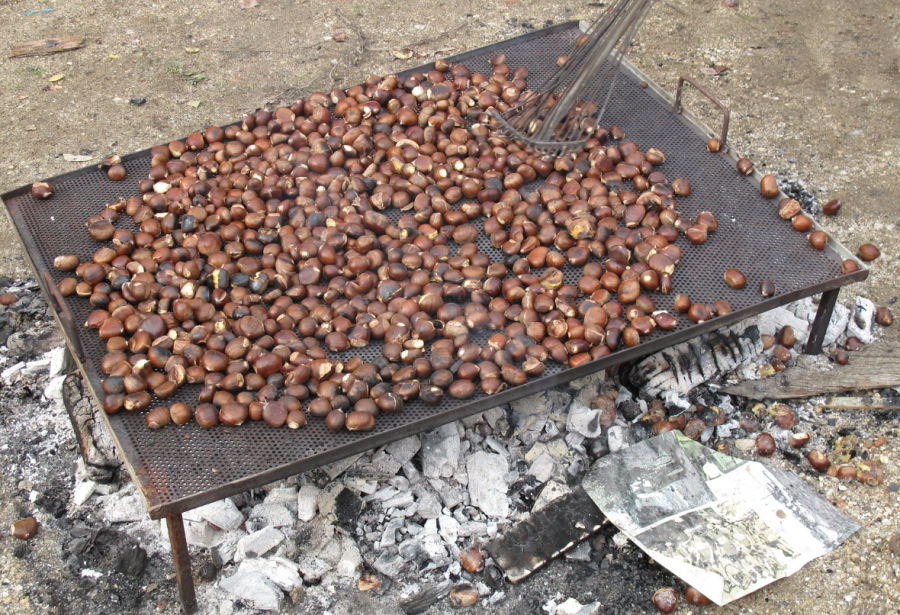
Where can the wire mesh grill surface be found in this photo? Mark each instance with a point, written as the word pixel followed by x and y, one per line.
pixel 181 468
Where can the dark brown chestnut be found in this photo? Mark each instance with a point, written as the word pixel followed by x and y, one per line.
pixel 765 444
pixel 42 190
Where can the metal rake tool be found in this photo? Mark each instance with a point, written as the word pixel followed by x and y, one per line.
pixel 555 118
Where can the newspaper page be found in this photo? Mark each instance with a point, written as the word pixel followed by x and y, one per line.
pixel 724 525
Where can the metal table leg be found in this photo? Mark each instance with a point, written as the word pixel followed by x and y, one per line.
pixel 182 559
pixel 820 324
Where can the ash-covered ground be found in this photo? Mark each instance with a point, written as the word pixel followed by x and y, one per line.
pixel 382 532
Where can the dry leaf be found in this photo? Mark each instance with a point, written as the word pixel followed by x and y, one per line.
pixel 193 103
pixel 75 158
pixel 402 54
pixel 56 78
pixel 192 49
pixel 247 4
pixel 714 71
pixel 339 37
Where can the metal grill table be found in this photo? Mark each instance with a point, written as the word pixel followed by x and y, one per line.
pixel 181 468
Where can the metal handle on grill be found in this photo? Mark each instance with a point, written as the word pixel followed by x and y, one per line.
pixel 676 106
pixel 65 315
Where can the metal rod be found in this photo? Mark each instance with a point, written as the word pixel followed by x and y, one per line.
pixel 182 559
pixel 820 324
pixel 726 112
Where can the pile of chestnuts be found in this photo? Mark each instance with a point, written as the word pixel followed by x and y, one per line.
pixel 255 259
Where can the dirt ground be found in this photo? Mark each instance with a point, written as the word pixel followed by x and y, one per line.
pixel 813 86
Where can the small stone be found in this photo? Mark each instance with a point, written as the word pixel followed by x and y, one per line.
pixel 543 468
pixel 745 445
pixel 894 544
pixel 429 506
pixel 313 568
pixel 487 488
pixel 281 495
pixel 274 515
pixel 630 409
pixel 223 514
pixel 118 508
pixel 584 420
pixel 449 528
pixel 573 607
pixel 619 438
pixel 297 595
pixel 137 101
pixel 350 561
pixel 223 553
pixel 255 589
pixel 581 553
pixel 281 571
pixel 202 534
pixel 389 564
pixel 307 502
pixel 258 543
pixel 207 572
pixel 404 450
pixel 83 491
pixel 440 452
pixel 389 536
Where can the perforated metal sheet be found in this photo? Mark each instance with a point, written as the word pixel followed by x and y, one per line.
pixel 182 468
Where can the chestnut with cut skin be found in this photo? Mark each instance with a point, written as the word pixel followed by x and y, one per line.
pixel 854 344
pixel 714 145
pixel 681 186
pixel 788 208
pixel 699 313
pixel 360 421
pixel 745 166
pixel 158 417
pixel 296 419
pixel 665 600
pixel 472 560
pixel 849 266
pixel 463 595
pixel 798 440
pixel 42 190
pixel 767 288
pixel 884 316
pixel 66 262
